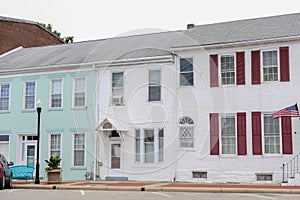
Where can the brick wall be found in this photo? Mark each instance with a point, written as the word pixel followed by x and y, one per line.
pixel 15 34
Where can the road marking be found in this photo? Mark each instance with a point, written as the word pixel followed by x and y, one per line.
pixel 10 191
pixel 259 196
pixel 82 192
pixel 161 194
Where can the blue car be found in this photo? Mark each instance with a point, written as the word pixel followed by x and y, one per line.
pixel 5 173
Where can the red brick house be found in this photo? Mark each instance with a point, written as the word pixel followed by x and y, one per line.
pixel 18 32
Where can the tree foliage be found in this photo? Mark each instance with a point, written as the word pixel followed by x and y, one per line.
pixel 66 39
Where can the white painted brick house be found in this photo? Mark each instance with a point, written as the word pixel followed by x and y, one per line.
pixel 205 114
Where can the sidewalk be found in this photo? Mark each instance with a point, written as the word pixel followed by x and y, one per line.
pixel 159 186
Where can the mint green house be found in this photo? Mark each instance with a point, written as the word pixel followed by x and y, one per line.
pixel 67 92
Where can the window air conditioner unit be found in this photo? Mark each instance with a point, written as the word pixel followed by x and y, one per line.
pixel 118 101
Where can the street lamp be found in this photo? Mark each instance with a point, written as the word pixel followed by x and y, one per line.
pixel 37 168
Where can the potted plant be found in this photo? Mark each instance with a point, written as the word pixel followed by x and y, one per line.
pixel 53 170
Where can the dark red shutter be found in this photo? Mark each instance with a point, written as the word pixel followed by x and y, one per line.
pixel 214 133
pixel 256 133
pixel 213 65
pixel 240 68
pixel 287 143
pixel 255 67
pixel 284 64
pixel 241 134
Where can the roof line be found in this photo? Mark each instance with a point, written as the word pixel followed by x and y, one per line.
pixel 16 20
pixel 11 51
pixel 246 19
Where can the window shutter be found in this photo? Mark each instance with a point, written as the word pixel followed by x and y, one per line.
pixel 284 64
pixel 241 133
pixel 287 143
pixel 214 133
pixel 213 64
pixel 256 133
pixel 255 67
pixel 240 68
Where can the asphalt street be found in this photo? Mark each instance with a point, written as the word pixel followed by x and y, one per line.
pixel 29 194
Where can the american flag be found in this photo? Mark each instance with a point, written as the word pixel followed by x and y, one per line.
pixel 291 111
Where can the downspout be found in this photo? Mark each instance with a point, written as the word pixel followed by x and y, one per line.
pixel 175 120
pixel 96 150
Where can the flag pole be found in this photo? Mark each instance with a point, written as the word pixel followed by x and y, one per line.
pixel 297 108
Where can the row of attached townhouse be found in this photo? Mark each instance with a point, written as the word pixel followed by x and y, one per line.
pixel 191 105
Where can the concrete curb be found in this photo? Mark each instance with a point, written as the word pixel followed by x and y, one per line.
pixel 152 188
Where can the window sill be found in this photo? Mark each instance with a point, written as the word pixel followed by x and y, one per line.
pixel 157 102
pixel 186 86
pixel 192 149
pixel 29 111
pixel 55 109
pixel 228 156
pixel 79 108
pixel 271 155
pixel 4 111
pixel 78 168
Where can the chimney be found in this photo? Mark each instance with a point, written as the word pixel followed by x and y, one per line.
pixel 190 26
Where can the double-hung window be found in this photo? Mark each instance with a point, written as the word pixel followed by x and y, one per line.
pixel 117 88
pixel 154 85
pixel 29 95
pixel 149 145
pixel 186 72
pixel 270 65
pixel 79 92
pixel 56 93
pixel 186 132
pixel 55 144
pixel 227 69
pixel 271 135
pixel 79 150
pixel 4 97
pixel 228 135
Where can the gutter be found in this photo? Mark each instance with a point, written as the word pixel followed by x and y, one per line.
pixel 131 61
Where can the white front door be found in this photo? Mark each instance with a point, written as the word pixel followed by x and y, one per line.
pixel 115 160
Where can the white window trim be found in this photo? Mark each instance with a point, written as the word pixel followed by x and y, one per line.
pixel 9 95
pixel 50 93
pixel 111 86
pixel 142 147
pixel 220 134
pixel 161 88
pixel 73 92
pixel 220 70
pixel 73 140
pixel 179 72
pixel 49 143
pixel 24 94
pixel 186 125
pixel 9 144
pixel 262 67
pixel 263 136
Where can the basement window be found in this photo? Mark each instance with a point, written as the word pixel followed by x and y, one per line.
pixel 197 174
pixel 264 177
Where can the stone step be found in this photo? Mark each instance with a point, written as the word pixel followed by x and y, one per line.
pixel 116 178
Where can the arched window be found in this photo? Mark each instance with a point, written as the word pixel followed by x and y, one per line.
pixel 186 132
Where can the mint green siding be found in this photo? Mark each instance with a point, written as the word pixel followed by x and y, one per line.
pixel 66 120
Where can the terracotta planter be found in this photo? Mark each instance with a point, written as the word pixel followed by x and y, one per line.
pixel 54 176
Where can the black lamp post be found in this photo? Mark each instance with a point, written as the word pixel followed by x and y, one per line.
pixel 37 168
